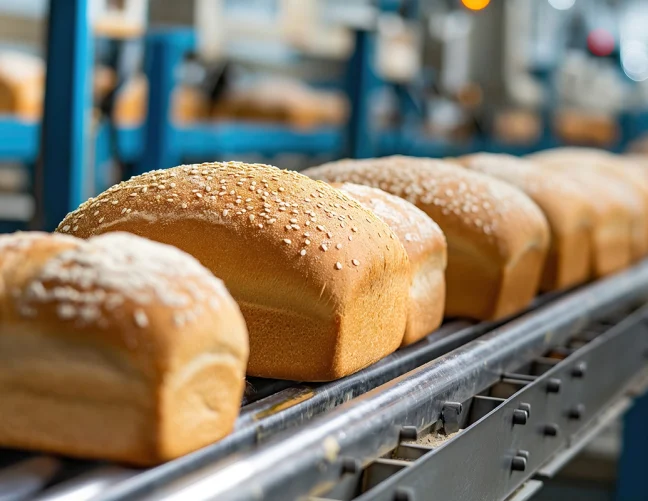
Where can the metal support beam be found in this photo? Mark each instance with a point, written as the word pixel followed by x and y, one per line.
pixel 361 81
pixel 62 180
pixel 164 52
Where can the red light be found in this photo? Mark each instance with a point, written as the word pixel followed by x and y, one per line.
pixel 600 42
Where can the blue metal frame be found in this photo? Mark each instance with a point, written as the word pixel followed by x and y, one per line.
pixel 63 180
pixel 167 145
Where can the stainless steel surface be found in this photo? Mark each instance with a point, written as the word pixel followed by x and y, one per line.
pixel 268 407
pixel 577 443
pixel 310 460
pixel 526 491
pixel 87 486
pixel 493 457
pixel 364 427
pixel 25 478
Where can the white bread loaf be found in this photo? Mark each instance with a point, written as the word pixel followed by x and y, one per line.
pixel 569 211
pixel 115 348
pixel 497 237
pixel 426 248
pixel 591 166
pixel 321 281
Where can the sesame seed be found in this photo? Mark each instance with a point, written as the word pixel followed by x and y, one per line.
pixel 287 241
pixel 100 221
pixel 329 234
pixel 355 262
pixel 350 238
pixel 338 266
pixel 302 252
pixel 66 228
pixel 293 221
pixel 115 202
pixel 96 213
pixel 251 216
pixel 184 206
pixel 141 320
pixel 75 228
pixel 338 246
pixel 324 247
pixel 208 188
pixel 320 228
pixel 307 242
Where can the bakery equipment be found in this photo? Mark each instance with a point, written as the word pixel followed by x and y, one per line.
pixel 572 357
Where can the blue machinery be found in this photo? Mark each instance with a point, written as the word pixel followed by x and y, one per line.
pixel 62 179
pixel 161 144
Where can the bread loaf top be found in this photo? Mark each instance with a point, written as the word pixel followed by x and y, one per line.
pixel 598 170
pixel 124 292
pixel 417 231
pixel 495 216
pixel 561 199
pixel 277 227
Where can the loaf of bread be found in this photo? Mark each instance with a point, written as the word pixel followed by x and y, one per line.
pixel 497 236
pixel 321 281
pixel 115 348
pixel 616 182
pixel 569 211
pixel 22 80
pixel 426 248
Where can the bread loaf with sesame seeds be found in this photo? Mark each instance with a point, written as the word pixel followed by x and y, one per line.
pixel 497 236
pixel 321 281
pixel 426 248
pixel 569 211
pixel 612 187
pixel 115 348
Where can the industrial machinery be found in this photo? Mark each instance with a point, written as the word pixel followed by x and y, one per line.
pixel 484 411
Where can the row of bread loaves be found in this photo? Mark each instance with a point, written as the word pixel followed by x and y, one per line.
pixel 329 278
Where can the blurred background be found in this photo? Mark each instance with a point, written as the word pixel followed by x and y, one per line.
pixel 92 92
pixel 126 86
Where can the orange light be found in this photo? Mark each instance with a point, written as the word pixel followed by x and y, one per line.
pixel 475 4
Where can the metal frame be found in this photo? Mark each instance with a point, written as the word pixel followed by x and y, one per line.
pixel 167 145
pixel 369 426
pixel 62 181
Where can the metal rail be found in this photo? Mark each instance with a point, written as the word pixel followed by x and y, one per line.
pixel 269 407
pixel 313 459
pixel 265 414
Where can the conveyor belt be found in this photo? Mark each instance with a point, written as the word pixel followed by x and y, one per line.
pixel 268 407
pixel 265 413
pixel 358 434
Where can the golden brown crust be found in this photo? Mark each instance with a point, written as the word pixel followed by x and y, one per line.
pixel 103 337
pixel 426 248
pixel 613 187
pixel 489 226
pixel 569 211
pixel 299 257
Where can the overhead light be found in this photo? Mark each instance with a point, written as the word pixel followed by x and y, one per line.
pixel 562 4
pixel 634 60
pixel 475 4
